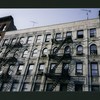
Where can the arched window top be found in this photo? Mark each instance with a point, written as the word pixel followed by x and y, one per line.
pixel 45 50
pixel 25 53
pixel 35 51
pixel 54 49
pixel 93 49
pixel 67 49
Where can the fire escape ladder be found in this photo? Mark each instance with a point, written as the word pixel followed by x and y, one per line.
pixel 65 56
pixel 5 76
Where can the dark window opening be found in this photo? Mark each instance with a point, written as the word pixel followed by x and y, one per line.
pixel 94 69
pixel 79 68
pixel 52 65
pixel 78 87
pixel 58 36
pixel 49 86
pixel 95 88
pixel 92 32
pixel 93 49
pixel 63 87
pixel 36 87
pixel 79 50
pixel 80 34
pixel 67 50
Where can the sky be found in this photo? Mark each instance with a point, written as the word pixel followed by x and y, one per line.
pixel 28 18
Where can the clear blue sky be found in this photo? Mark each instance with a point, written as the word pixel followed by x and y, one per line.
pixel 25 18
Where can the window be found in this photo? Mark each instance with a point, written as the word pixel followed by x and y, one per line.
pixel 5 41
pixel 13 40
pixel 80 34
pixel 58 36
pixel 48 37
pixel 78 87
pixel 94 69
pixel 26 87
pixel 95 88
pixel 19 70
pixel 49 86
pixel 41 67
pixel 14 86
pixel 67 50
pixel 69 34
pixel 11 67
pixel 63 87
pixel 30 39
pixel 79 50
pixel 92 32
pixel 45 50
pixel 4 87
pixel 22 40
pixel 79 68
pixel 25 54
pixel 30 69
pixel 65 68
pixel 3 27
pixel 93 49
pixel 35 53
pixel 52 65
pixel 36 87
pixel 54 49
pixel 39 38
pixel 38 77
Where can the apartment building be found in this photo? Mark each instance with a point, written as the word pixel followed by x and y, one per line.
pixel 62 57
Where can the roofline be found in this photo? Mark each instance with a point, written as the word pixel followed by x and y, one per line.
pixel 58 24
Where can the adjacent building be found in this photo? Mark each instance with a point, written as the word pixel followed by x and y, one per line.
pixel 62 57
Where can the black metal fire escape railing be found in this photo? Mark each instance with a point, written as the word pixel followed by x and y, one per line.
pixel 58 78
pixel 5 77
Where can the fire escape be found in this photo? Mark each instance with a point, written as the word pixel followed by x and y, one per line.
pixel 62 77
pixel 5 76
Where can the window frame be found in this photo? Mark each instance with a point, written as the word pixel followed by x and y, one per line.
pixel 92 50
pixel 58 36
pixel 79 36
pixel 79 52
pixel 46 39
pixel 92 34
pixel 79 71
pixel 35 54
pixel 38 84
pixel 29 39
pixel 93 69
pixel 24 54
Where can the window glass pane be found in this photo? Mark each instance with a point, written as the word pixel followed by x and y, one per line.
pixel 94 66
pixel 25 53
pixel 26 87
pixel 31 67
pixel 14 86
pixel 58 36
pixel 45 51
pixel 35 53
pixel 30 39
pixel 95 88
pixel 49 86
pixel 41 67
pixel 36 86
pixel 48 37
pixel 13 40
pixel 68 33
pixel 80 48
pixel 52 66
pixel 22 40
pixel 80 32
pixel 39 38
